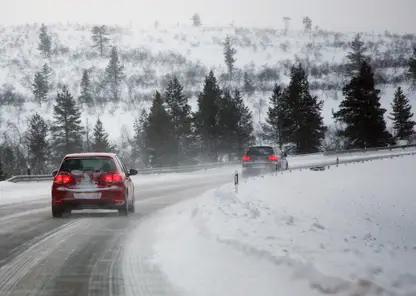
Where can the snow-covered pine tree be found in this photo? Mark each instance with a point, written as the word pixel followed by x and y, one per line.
pixel 114 74
pixel 45 42
pixel 304 124
pixel 86 94
pixel 180 113
pixel 100 38
pixel 67 130
pixel 100 141
pixel 229 56
pixel 159 135
pixel 362 113
pixel 402 116
pixel 206 118
pixel 38 144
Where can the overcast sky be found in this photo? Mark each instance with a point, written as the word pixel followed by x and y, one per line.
pixel 345 15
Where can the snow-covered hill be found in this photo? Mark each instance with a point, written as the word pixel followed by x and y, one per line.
pixel 151 56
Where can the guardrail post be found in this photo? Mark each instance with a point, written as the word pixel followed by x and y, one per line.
pixel 236 182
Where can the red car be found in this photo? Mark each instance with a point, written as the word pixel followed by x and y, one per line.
pixel 92 181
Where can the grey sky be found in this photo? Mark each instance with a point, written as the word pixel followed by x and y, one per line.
pixel 372 15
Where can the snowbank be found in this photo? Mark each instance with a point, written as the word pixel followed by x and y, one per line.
pixel 349 228
pixel 25 191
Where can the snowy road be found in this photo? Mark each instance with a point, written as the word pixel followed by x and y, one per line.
pixel 82 254
pixel 176 251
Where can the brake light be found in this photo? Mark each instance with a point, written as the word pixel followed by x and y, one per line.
pixel 273 157
pixel 62 179
pixel 113 177
pixel 246 158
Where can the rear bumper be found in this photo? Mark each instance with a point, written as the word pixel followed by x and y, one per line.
pixel 260 167
pixel 76 204
pixel 111 198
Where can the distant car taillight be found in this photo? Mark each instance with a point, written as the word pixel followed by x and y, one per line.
pixel 246 158
pixel 113 178
pixel 62 179
pixel 273 157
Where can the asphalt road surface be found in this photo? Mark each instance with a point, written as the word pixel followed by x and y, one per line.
pixel 82 254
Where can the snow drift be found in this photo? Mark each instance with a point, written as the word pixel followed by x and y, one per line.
pixel 348 229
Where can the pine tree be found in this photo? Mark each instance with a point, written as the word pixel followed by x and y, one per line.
pixel 180 113
pixel 100 38
pixel 248 86
pixel 46 72
pixel 235 124
pixel 357 56
pixel 305 127
pixel 86 96
pixel 307 22
pixel 245 123
pixel 114 73
pixel 206 117
pixel 38 145
pixel 9 161
pixel 196 20
pixel 278 120
pixel 67 129
pixel 40 88
pixel 45 42
pixel 159 134
pixel 362 113
pixel 139 140
pixel 412 69
pixel 402 116
pixel 227 123
pixel 229 56
pixel 100 141
pixel 2 175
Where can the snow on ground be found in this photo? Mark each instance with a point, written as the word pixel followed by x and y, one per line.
pixel 28 191
pixel 348 228
pixel 25 191
pixel 301 161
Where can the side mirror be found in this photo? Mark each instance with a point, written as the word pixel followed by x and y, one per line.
pixel 284 154
pixel 54 173
pixel 133 172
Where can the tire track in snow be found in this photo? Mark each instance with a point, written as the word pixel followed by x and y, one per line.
pixel 141 277
pixel 85 270
pixel 20 231
pixel 12 273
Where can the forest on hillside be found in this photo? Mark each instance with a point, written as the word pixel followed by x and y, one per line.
pixel 170 133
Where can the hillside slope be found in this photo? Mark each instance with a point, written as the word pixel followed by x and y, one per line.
pixel 152 56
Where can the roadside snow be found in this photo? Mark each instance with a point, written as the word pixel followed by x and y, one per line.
pixel 349 228
pixel 29 191
pixel 26 191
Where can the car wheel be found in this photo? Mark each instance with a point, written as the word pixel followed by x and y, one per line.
pixel 56 212
pixel 132 206
pixel 124 210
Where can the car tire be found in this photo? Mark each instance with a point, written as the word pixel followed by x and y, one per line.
pixel 57 212
pixel 132 206
pixel 124 210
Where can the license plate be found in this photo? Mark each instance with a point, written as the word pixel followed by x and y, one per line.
pixel 89 195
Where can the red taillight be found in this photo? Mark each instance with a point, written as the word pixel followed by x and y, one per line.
pixel 62 179
pixel 273 157
pixel 246 158
pixel 113 177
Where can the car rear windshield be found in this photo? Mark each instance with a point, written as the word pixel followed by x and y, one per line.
pixel 260 151
pixel 95 164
